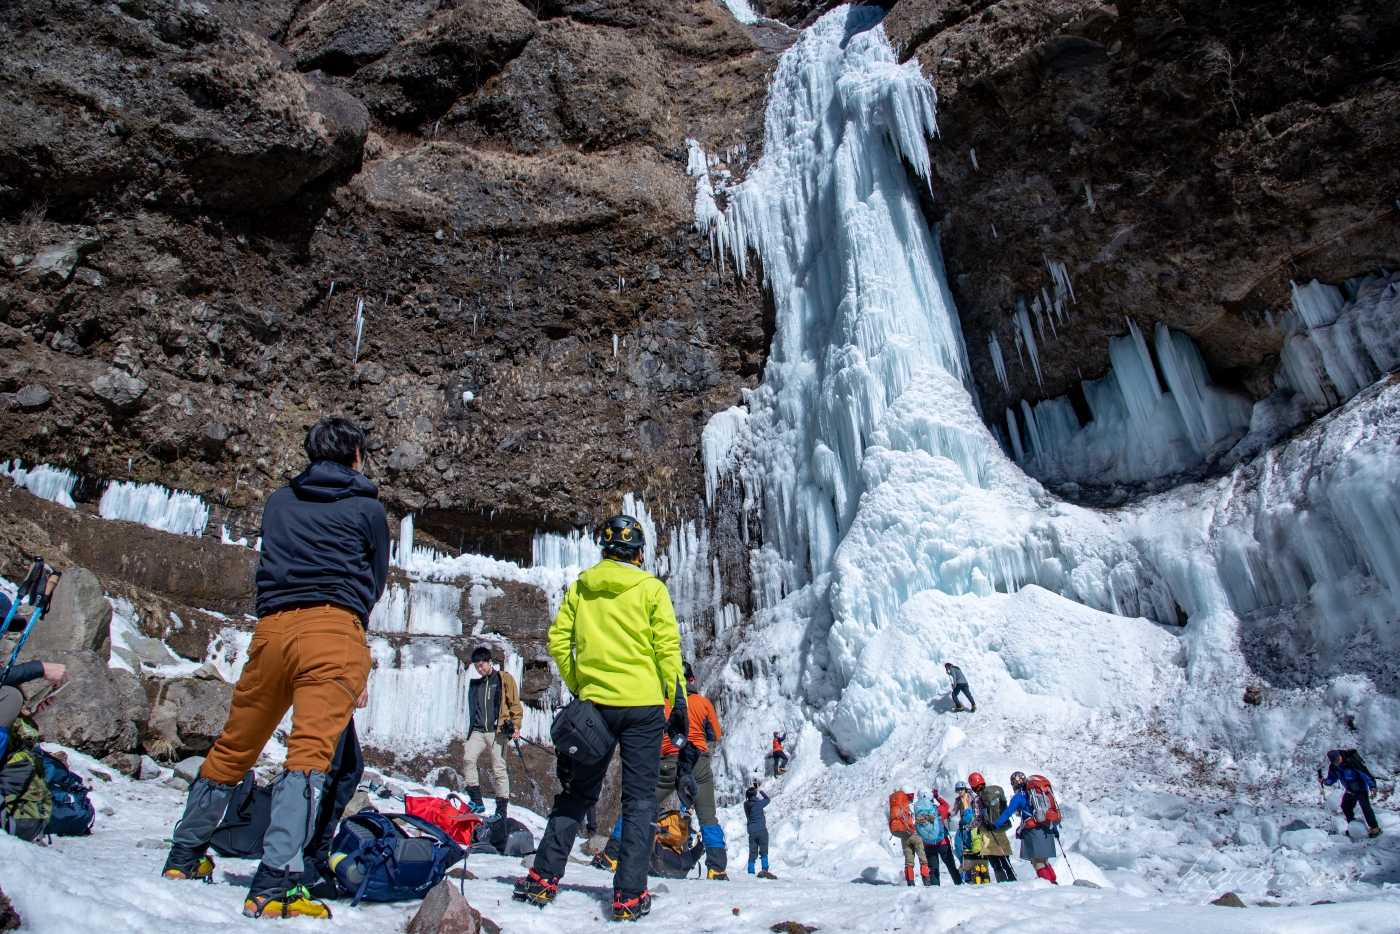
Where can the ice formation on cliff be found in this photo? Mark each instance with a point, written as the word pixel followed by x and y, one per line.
pixel 43 481
pixel 153 505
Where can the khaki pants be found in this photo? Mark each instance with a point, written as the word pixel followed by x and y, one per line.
pixel 914 846
pixel 494 745
pixel 313 660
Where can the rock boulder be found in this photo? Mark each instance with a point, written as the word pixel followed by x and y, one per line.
pixel 79 618
pixel 102 711
pixel 187 715
pixel 445 911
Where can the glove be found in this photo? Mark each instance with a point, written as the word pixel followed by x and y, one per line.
pixel 678 726
pixel 508 728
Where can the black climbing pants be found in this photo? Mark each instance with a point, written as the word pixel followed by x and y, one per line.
pixel 1351 799
pixel 965 692
pixel 637 733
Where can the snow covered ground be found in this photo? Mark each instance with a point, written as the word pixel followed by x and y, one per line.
pixel 834 873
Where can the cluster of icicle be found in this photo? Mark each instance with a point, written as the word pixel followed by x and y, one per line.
pixel 153 505
pixel 50 483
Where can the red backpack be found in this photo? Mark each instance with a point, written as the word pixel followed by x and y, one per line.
pixel 1040 798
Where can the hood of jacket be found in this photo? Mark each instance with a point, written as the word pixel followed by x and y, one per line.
pixel 327 481
pixel 612 576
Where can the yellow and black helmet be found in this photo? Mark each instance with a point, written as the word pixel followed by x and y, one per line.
pixel 623 532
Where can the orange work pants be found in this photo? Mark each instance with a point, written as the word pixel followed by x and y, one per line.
pixel 314 660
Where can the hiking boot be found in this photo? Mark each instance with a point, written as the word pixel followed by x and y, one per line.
pixel 959 709
pixel 603 861
pixel 1374 832
pixel 536 890
pixel 502 807
pixel 974 708
pixel 765 874
pixel 198 867
pixel 294 903
pixel 631 909
pixel 718 874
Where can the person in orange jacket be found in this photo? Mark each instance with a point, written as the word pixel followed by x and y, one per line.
pixel 902 826
pixel 780 758
pixel 705 731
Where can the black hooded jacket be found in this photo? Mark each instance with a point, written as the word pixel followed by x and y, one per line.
pixel 325 539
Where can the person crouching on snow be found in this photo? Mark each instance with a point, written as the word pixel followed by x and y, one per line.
pixel 324 563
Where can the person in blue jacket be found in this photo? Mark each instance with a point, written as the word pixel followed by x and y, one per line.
pixel 1356 785
pixel 1037 839
pixel 931 820
pixel 754 803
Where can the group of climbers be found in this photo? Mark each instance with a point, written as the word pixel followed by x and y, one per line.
pixel 968 835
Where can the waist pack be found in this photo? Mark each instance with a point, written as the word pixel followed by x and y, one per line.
pixel 580 733
pixel 390 857
pixel 459 822
pixel 73 813
pixel 240 834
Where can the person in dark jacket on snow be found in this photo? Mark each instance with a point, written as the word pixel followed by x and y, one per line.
pixel 754 803
pixel 959 686
pixel 324 563
pixel 1037 839
pixel 493 700
pixel 1356 785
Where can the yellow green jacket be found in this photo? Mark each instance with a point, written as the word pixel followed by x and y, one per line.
pixel 616 640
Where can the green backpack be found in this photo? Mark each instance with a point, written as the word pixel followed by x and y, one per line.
pixel 30 802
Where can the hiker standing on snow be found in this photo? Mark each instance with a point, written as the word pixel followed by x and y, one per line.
pixel 1037 837
pixel 494 702
pixel 959 685
pixel 780 758
pixel 704 733
pixel 904 826
pixel 1348 769
pixel 931 819
pixel 995 846
pixel 617 644
pixel 754 802
pixel 324 563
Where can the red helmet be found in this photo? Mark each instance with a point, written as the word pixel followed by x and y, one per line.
pixel 976 781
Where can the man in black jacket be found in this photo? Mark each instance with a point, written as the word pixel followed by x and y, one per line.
pixel 325 548
pixel 493 699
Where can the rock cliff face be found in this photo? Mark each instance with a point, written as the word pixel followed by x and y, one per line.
pixel 466 224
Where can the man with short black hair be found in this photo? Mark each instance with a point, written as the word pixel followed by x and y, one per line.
pixel 493 702
pixel 324 563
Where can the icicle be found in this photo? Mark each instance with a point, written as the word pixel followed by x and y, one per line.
pixel 1060 275
pixel 1032 429
pixel 998 364
pixel 1015 432
pixel 1024 320
pixel 614 345
pixel 360 327
pixel 975 166
pixel 1089 197
pixel 153 505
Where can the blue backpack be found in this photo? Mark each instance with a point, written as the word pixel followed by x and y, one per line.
pixel 73 813
pixel 375 859
pixel 933 831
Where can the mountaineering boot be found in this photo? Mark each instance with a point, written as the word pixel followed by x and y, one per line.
pixel 278 893
pixel 959 709
pixel 1047 873
pixel 718 875
pixel 602 860
pixel 909 875
pixel 630 909
pixel 502 806
pixel 928 876
pixel 1374 832
pixel 537 890
pixel 204 808
pixel 477 805
pixel 974 708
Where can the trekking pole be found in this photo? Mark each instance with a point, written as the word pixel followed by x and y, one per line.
pixel 41 606
pixel 1068 864
pixel 540 746
pixel 24 587
pixel 528 776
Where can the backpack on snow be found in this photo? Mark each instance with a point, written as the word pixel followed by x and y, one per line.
pixel 28 803
pixel 1040 798
pixel 498 836
pixel 675 851
pixel 240 834
pixel 390 857
pixel 73 812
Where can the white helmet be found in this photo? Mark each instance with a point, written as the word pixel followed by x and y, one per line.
pixel 907 787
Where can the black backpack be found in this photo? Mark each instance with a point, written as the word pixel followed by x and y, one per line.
pixel 240 834
pixel 1351 759
pixel 497 836
pixel 73 813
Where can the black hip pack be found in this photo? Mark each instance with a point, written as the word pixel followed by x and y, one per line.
pixel 580 733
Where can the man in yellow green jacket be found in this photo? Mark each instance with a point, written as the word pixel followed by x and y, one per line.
pixel 617 644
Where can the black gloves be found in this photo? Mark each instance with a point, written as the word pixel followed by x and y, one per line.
pixel 508 728
pixel 678 726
